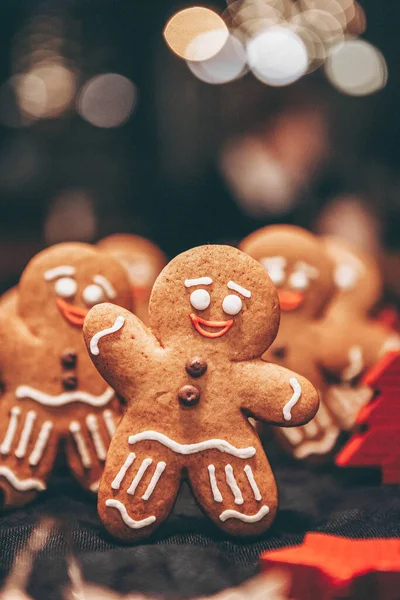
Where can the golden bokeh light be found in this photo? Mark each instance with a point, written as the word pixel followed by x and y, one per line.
pixel 196 33
pixel 226 66
pixel 107 100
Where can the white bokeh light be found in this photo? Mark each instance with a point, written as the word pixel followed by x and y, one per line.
pixel 277 56
pixel 107 100
pixel 356 68
pixel 227 65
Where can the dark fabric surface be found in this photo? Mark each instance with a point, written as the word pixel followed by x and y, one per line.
pixel 189 557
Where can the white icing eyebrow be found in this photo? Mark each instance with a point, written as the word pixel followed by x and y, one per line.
pixel 198 281
pixel 62 271
pixel 238 288
pixel 106 285
pixel 307 269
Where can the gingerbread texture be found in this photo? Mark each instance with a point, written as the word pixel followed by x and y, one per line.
pixel 52 392
pixel 143 261
pixel 190 382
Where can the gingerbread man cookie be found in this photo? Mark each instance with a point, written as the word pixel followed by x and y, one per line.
pixel 52 392
pixel 142 260
pixel 191 382
pixel 303 274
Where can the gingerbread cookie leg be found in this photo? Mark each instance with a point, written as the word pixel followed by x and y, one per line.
pixel 235 490
pixel 139 486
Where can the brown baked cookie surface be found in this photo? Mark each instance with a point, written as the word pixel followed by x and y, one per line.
pixel 142 260
pixel 191 382
pixel 52 392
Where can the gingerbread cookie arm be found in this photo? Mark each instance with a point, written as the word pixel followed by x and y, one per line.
pixel 275 395
pixel 120 346
pixel 15 340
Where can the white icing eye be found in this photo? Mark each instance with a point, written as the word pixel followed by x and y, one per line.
pixel 93 294
pixel 232 305
pixel 65 287
pixel 200 299
pixel 345 277
pixel 275 269
pixel 298 280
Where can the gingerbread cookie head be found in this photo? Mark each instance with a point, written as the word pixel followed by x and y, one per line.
pixel 142 261
pixel 61 284
pixel 297 264
pixel 356 275
pixel 218 298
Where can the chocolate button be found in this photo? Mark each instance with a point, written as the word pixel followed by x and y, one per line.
pixel 196 367
pixel 68 360
pixel 70 382
pixel 189 395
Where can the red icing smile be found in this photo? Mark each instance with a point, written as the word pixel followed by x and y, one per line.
pixel 290 300
pixel 199 323
pixel 73 314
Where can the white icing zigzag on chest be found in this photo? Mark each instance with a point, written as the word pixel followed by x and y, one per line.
pixel 25 391
pixel 214 444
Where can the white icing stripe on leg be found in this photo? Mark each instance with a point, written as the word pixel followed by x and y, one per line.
pixel 116 484
pixel 311 429
pixel 213 482
pixel 12 428
pixel 154 480
pixel 75 429
pixel 109 422
pixel 94 342
pixel 356 364
pixel 231 481
pixel 252 482
pixel 234 514
pixel 143 468
pixel 26 434
pixel 22 485
pixel 126 518
pixel 93 426
pixel 221 445
pixel 41 443
pixel 287 409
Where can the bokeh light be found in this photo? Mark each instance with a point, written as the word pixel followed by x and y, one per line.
pixel 196 33
pixel 107 100
pixel 357 68
pixel 277 56
pixel 227 65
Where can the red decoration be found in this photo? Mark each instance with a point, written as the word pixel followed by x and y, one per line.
pixel 327 567
pixel 389 317
pixel 379 444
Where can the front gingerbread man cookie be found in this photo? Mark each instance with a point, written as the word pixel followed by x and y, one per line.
pixel 52 392
pixel 191 382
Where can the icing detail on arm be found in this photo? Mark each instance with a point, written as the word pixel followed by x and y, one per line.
pixel 93 426
pixel 126 518
pixel 293 434
pixel 94 347
pixel 221 445
pixel 142 470
pixel 75 429
pixel 95 486
pixel 231 481
pixel 12 428
pixel 22 485
pixel 61 271
pixel 109 422
pixel 252 482
pixel 154 480
pixel 116 484
pixel 106 285
pixel 26 434
pixel 41 443
pixel 198 281
pixel 287 409
pixel 234 514
pixel 321 446
pixel 390 345
pixel 213 482
pixel 238 288
pixel 24 391
pixel 356 364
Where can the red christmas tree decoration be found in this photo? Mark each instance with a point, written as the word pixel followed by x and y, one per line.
pixel 327 567
pixel 378 444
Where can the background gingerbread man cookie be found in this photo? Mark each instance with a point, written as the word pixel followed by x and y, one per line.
pixel 191 382
pixel 142 260
pixel 52 392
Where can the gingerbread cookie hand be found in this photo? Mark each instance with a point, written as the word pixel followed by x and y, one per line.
pixel 190 383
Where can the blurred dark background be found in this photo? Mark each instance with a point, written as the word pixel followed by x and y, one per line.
pixel 166 171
